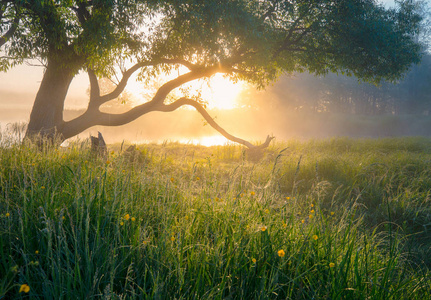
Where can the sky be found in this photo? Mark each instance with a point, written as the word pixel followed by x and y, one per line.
pixel 19 86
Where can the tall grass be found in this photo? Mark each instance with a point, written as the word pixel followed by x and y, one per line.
pixel 332 219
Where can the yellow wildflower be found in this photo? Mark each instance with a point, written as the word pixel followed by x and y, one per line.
pixel 197 179
pixel 315 237
pixel 121 223
pixel 126 217
pixel 24 288
pixel 267 211
pixel 34 263
pixel 7 214
pixel 312 211
pixel 263 228
pixel 287 198
pixel 331 265
pixel 284 224
pixel 36 252
pixel 108 162
pixel 252 193
pixel 302 221
pixel 42 187
pixel 253 260
pixel 172 179
pixel 172 238
pixel 332 213
pixel 281 253
pixel 312 205
pixel 310 216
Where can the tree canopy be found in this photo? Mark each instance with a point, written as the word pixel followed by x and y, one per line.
pixel 251 40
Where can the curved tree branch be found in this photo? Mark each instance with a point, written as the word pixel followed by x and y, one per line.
pixel 188 65
pixel 93 116
pixel 123 82
pixel 185 101
pixel 166 88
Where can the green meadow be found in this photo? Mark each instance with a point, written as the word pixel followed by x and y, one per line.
pixel 318 219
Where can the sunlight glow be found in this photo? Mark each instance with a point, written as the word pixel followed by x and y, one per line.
pixel 207 141
pixel 221 93
pixel 218 92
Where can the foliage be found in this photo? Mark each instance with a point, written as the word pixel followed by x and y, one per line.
pixel 259 38
pixel 333 219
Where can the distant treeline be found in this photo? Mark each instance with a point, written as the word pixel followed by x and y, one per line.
pixel 342 94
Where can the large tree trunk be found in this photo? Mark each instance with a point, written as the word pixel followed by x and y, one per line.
pixel 46 118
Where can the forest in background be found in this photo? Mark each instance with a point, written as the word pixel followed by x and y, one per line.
pixel 342 94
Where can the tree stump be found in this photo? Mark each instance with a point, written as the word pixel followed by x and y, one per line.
pixel 98 145
pixel 256 153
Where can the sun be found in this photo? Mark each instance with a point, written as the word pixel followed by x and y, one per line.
pixel 221 93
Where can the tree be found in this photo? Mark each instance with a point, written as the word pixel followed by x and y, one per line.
pixel 251 40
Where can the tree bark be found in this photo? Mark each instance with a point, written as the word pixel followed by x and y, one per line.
pixel 46 118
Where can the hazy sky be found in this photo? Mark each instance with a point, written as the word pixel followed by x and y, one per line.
pixel 19 86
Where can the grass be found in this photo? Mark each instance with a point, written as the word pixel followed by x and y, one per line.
pixel 322 219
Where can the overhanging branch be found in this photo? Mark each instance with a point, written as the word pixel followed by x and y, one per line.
pixel 165 89
pixel 93 116
pixel 161 94
pixel 123 82
pixel 185 101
